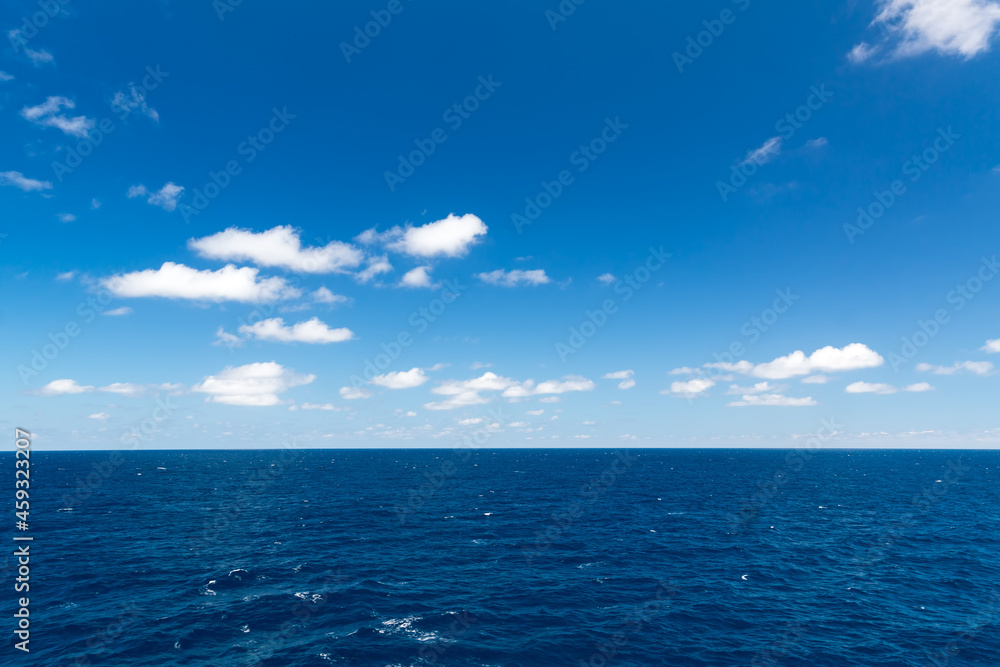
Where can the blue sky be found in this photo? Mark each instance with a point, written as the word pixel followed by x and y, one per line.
pixel 582 225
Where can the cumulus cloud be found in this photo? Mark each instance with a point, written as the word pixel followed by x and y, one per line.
pixel 222 337
pixel 870 388
pixel 449 237
pixel 470 421
pixel 280 246
pixel 828 359
pixel 626 377
pixel 567 384
pixel 311 331
pixel 992 346
pixel 690 388
pixel 961 28
pixel 418 277
pixel 375 266
pixel 257 384
pixel 977 367
pixel 606 278
pixel 47 114
pixel 463 393
pixel 66 217
pixel 354 393
pixel 514 278
pixel 919 386
pixel 18 180
pixel 777 400
pixel 166 197
pixel 65 386
pixel 100 416
pixel 535 413
pixel 177 281
pixel 401 379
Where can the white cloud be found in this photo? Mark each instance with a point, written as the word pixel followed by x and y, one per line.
pixel 311 331
pixel 476 365
pixel 449 237
pixel 222 337
pixel 124 388
pixel 977 367
pixel 134 99
pixel 626 377
pixel 68 275
pixel 94 204
pixel 66 217
pixel 329 407
pixel 535 413
pixel 166 197
pixel 606 278
pixel 462 393
pixel 60 387
pixel 257 384
pixel 816 379
pixel 401 379
pixel 354 393
pixel 758 388
pixel 101 416
pixel 19 180
pixel 567 384
pixel 767 151
pixel 47 114
pixel 776 400
pixel 6 77
pixel 177 281
pixel 514 278
pixel 549 399
pixel 828 359
pixel 418 277
pixel 949 27
pixel 920 386
pixel 992 346
pixel 817 143
pixel 693 387
pixel 470 421
pixel 280 246
pixel 118 312
pixel 870 388
pixel 39 57
pixel 375 267
pixel 323 295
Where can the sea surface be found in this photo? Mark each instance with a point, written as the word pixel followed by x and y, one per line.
pixel 512 557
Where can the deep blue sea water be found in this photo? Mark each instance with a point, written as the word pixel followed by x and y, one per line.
pixel 513 557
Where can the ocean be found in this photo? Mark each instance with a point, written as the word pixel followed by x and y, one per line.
pixel 513 557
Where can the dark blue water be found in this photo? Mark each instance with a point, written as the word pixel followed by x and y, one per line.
pixel 662 557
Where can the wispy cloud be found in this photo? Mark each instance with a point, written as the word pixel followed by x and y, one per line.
pixel 47 114
pixel 18 180
pixel 514 278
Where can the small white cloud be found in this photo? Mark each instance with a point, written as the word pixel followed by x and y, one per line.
pixel 920 386
pixel 816 379
pixel 124 389
pixel 949 27
pixel 626 377
pixel 22 182
pixel 118 312
pixel 449 237
pixel 229 340
pixel 870 388
pixel 690 388
pixel 476 365
pixel 567 384
pixel 68 275
pixel 134 99
pixel 471 421
pixel 47 114
pixel 354 393
pixel 606 278
pixel 514 278
pixel 769 150
pixel 535 413
pixel 60 387
pixel 418 277
pixel 992 346
pixel 323 295
pixel 280 246
pixel 6 77
pixel 817 143
pixel 376 266
pixel 828 359
pixel 861 53
pixel 775 400
pixel 758 388
pixel 66 217
pixel 94 204
pixel 401 379
pixel 329 407
pixel 100 416
pixel 166 197
pixel 257 384
pixel 177 281
pixel 311 331
pixel 39 57
pixel 977 367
